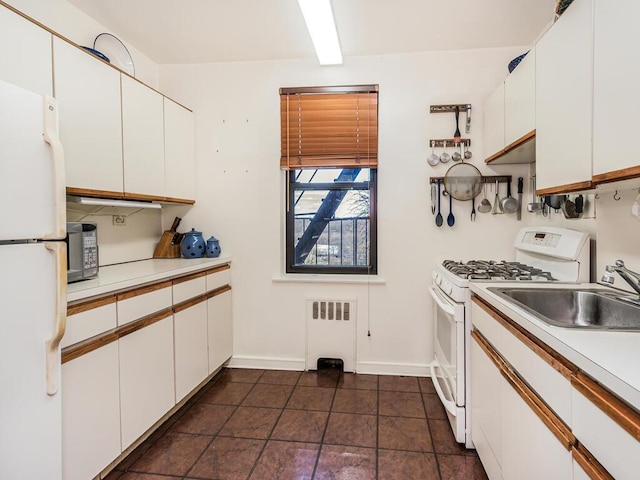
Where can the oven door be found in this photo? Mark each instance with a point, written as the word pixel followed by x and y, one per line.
pixel 447 368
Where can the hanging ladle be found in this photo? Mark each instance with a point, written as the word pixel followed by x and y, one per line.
pixel 485 204
pixel 439 215
pixel 450 218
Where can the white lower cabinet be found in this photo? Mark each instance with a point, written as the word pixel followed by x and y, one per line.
pixel 191 357
pixel 220 329
pixel 147 389
pixel 486 408
pixel 90 413
pixel 530 451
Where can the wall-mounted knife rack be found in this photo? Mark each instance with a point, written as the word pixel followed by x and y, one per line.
pixel 485 179
pixel 451 108
pixel 439 142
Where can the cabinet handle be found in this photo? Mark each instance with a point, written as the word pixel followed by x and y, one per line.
pixel 51 136
pixel 59 251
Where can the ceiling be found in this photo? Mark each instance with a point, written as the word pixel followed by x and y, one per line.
pixel 199 31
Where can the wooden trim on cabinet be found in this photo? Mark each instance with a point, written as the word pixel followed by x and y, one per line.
pixel 95 302
pixel 553 358
pixel 188 277
pixel 218 291
pixel 556 426
pixel 568 188
pixel 89 345
pixel 512 146
pixel 627 417
pixel 143 322
pixel 589 464
pixel 218 269
pixel 189 303
pixel 185 201
pixel 87 192
pixel 134 292
pixel 86 346
pixel 143 197
pixel 617 175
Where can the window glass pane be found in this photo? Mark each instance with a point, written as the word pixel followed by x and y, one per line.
pixel 331 227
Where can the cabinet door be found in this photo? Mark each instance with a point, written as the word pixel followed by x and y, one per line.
pixel 25 50
pixel 90 413
pixel 564 86
pixel 616 100
pixel 529 450
pixel 143 138
pixel 146 378
pixel 179 153
pixel 520 100
pixel 220 321
pixel 88 94
pixel 494 122
pixel 192 359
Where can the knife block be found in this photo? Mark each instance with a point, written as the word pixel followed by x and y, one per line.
pixel 168 246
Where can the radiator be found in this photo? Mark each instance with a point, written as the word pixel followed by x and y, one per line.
pixel 331 331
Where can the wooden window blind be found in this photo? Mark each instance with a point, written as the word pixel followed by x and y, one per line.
pixel 329 127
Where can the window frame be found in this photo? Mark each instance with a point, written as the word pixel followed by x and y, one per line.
pixel 290 241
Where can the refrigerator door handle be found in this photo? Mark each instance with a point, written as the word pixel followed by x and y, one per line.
pixel 59 251
pixel 51 136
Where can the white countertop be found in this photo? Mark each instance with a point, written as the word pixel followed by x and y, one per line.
pixel 610 357
pixel 124 275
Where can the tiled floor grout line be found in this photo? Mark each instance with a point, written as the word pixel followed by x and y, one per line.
pixel 426 416
pixel 326 426
pixel 266 441
pixel 215 435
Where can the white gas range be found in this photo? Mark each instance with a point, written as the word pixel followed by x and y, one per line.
pixel 542 254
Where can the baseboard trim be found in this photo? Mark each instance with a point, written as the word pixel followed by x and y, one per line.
pixel 385 368
pixel 267 363
pixel 299 364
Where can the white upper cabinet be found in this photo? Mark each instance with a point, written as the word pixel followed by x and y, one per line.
pixel 564 90
pixel 88 94
pixel 143 138
pixel 179 154
pixel 520 100
pixel 25 50
pixel 616 101
pixel 494 122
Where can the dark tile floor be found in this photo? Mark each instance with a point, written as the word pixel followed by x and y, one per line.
pixel 325 425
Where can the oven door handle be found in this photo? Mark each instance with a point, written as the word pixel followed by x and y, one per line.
pixel 449 405
pixel 442 303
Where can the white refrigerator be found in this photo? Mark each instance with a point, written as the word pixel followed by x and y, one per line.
pixel 33 285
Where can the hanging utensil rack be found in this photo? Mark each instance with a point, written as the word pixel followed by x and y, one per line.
pixel 450 108
pixel 439 142
pixel 485 179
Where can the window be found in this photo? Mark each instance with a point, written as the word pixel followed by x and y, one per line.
pixel 329 150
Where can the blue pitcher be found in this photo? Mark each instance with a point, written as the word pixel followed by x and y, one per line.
pixel 192 245
pixel 213 247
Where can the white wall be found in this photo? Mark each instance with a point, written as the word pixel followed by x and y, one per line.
pixel 68 21
pixel 241 193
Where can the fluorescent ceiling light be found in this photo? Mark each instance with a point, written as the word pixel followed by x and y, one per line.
pixel 104 202
pixel 321 25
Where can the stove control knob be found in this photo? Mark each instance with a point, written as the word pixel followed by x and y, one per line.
pixel 448 288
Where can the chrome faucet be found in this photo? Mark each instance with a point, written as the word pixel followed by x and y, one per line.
pixel 632 278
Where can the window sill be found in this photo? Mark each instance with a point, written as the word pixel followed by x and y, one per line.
pixel 329 278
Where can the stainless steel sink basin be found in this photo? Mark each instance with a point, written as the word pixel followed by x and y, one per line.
pixel 592 309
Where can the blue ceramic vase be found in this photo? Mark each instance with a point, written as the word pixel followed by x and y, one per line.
pixel 192 245
pixel 213 247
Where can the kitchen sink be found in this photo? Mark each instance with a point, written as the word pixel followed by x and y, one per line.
pixel 576 308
